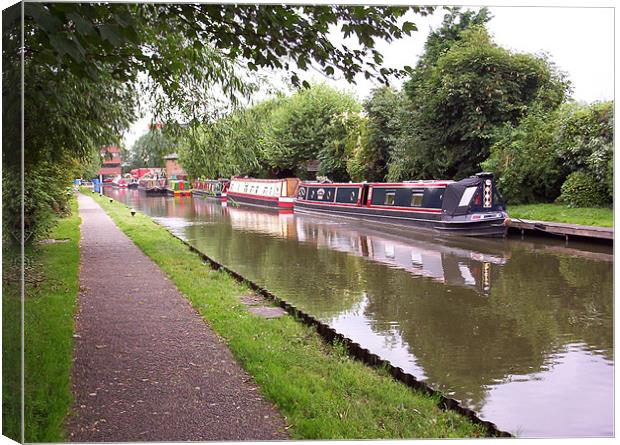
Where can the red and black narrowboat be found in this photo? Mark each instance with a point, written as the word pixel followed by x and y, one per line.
pixel 210 188
pixel 274 193
pixel 469 207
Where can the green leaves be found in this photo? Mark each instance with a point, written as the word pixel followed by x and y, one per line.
pixel 409 27
pixel 465 88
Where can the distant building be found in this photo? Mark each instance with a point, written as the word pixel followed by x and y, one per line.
pixel 173 169
pixel 110 161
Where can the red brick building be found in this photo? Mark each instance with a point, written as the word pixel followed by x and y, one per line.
pixel 110 161
pixel 173 168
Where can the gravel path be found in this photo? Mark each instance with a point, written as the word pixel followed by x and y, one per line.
pixel 146 366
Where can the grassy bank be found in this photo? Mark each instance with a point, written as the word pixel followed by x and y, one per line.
pixel 595 216
pixel 51 291
pixel 321 391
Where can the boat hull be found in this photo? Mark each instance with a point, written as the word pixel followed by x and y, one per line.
pixel 207 195
pixel 432 221
pixel 155 191
pixel 175 193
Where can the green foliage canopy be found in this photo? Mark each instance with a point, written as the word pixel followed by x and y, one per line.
pixel 384 112
pixel 278 137
pixel 459 100
pixel 312 125
pixel 533 159
pixel 150 148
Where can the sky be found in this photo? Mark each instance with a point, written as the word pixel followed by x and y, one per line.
pixel 579 40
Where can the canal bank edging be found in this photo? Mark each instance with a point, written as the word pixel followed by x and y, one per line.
pixel 564 230
pixel 354 349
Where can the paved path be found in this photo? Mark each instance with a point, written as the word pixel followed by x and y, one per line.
pixel 146 366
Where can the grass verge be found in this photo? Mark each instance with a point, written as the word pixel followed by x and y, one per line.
pixel 52 285
pixel 322 392
pixel 594 216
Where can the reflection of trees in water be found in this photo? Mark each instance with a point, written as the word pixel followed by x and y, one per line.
pixel 321 281
pixel 465 342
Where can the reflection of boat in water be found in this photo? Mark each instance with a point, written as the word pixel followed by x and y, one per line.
pixel 422 256
pixel 470 207
pixel 274 193
pixel 281 225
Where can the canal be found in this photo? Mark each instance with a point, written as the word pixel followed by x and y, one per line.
pixel 521 331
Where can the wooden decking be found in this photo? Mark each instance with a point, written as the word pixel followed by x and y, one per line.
pixel 561 229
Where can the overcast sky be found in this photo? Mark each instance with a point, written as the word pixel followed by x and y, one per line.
pixel 579 40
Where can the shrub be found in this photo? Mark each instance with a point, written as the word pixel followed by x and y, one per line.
pixel 582 189
pixel 524 159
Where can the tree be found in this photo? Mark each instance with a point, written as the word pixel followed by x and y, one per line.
pixel 263 36
pixel 233 145
pixel 381 129
pixel 524 159
pixel 150 148
pixel 460 96
pixel 534 159
pixel 310 125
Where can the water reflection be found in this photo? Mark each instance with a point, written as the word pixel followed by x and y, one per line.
pixel 519 331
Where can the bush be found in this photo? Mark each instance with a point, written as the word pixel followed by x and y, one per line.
pixel 524 159
pixel 583 190
pixel 533 159
pixel 47 192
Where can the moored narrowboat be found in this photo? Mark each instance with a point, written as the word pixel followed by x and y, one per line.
pixel 178 187
pixel 152 185
pixel 210 188
pixel 274 193
pixel 469 207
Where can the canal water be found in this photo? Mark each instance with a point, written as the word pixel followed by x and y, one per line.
pixel 521 331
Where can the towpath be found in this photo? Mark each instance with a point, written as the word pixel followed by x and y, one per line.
pixel 146 366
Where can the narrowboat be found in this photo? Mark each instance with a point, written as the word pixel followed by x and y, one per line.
pixel 469 207
pixel 152 185
pixel 178 187
pixel 210 188
pixel 274 193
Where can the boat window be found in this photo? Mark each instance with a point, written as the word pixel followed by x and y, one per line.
pixel 302 192
pixel 347 195
pixel 467 195
pixel 390 198
pixel 416 199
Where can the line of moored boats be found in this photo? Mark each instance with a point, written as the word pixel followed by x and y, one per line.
pixel 152 184
pixel 470 207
